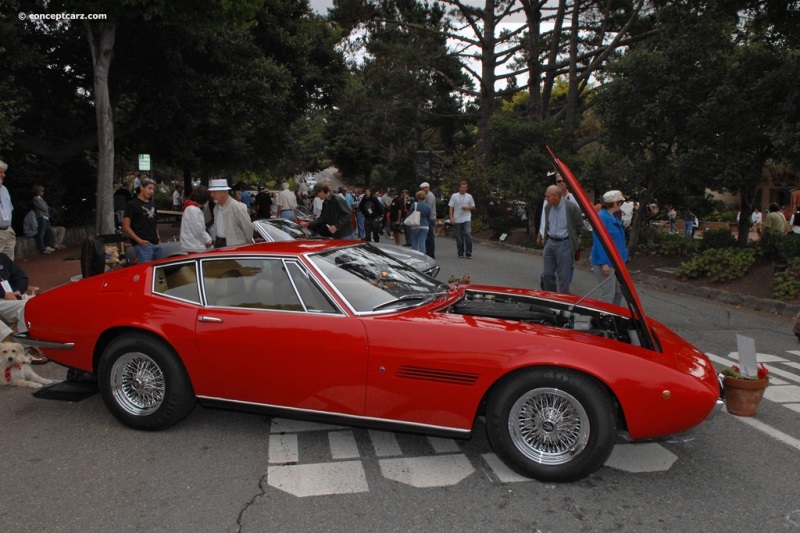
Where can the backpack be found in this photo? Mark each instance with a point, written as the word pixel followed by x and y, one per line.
pixel 93 257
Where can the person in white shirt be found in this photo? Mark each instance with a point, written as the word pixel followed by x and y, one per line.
pixel 177 198
pixel 286 202
pixel 8 239
pixel 461 207
pixel 194 237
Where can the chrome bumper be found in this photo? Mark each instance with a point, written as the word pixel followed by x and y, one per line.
pixel 23 339
pixel 720 401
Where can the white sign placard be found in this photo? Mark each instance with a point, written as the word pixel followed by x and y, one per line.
pixel 144 162
pixel 747 355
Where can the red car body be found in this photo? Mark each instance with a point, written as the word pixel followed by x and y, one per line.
pixel 363 367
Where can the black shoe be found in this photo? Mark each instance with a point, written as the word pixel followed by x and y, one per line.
pixel 461 256
pixel 469 257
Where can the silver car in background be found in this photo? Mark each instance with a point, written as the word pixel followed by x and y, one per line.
pixel 281 229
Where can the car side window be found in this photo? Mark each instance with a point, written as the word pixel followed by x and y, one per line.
pixel 258 284
pixel 177 281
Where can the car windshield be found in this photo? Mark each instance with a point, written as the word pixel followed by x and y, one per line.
pixel 372 281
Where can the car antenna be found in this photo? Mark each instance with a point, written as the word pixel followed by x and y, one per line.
pixel 571 307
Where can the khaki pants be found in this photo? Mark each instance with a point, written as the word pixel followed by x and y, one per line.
pixel 8 241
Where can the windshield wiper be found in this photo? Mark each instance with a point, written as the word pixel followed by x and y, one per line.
pixel 408 297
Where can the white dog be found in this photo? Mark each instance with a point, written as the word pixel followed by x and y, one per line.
pixel 15 367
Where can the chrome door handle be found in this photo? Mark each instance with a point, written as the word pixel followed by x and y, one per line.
pixel 204 318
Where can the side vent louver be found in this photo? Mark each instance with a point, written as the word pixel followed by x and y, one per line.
pixel 440 376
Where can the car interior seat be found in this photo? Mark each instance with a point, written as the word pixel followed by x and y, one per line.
pixel 230 289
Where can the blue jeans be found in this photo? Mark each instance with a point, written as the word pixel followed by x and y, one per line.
pixel 148 252
pixel 360 224
pixel 430 242
pixel 688 225
pixel 464 238
pixel 557 273
pixel 418 236
pixel 288 214
pixel 44 235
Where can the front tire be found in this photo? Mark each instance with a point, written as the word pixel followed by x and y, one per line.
pixel 552 424
pixel 144 384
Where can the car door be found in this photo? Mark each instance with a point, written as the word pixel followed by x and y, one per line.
pixel 275 338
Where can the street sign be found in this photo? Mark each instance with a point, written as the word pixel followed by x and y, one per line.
pixel 144 162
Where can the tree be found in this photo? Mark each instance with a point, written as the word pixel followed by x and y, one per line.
pixel 214 86
pixel 694 108
pixel 399 100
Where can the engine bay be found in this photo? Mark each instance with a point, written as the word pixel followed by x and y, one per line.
pixel 547 313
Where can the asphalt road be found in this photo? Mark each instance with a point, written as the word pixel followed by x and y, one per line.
pixel 72 467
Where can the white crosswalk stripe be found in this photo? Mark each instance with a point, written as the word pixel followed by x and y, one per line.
pixel 445 464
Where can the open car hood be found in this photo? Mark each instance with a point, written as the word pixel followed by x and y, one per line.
pixel 621 271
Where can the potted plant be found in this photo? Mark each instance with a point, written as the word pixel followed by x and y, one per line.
pixel 743 393
pixel 456 281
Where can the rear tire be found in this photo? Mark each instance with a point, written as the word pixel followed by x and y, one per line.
pixel 144 384
pixel 552 424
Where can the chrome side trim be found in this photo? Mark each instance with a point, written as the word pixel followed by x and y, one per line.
pixel 23 339
pixel 364 419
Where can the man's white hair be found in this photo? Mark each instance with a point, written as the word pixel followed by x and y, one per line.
pixel 3 165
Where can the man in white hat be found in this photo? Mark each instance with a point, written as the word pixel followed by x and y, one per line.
pixel 232 224
pixel 601 264
pixel 430 199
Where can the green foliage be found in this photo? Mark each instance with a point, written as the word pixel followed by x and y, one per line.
pixel 786 284
pixel 659 243
pixel 779 247
pixel 718 238
pixel 720 265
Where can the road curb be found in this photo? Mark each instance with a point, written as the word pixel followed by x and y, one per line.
pixel 767 305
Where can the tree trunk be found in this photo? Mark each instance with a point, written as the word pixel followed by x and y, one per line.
pixel 101 45
pixel 483 141
pixel 572 90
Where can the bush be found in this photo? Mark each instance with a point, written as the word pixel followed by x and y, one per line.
pixel 718 238
pixel 786 284
pixel 719 264
pixel 661 244
pixel 779 247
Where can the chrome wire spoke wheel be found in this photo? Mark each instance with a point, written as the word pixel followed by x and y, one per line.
pixel 137 383
pixel 548 426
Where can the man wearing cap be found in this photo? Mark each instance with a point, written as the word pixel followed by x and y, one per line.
pixel 8 239
pixel 601 264
pixel 287 202
pixel 232 224
pixel 562 231
pixel 139 223
pixel 430 199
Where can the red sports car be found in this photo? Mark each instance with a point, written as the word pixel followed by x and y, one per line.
pixel 342 332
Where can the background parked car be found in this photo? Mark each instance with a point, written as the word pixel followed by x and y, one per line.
pixel 281 229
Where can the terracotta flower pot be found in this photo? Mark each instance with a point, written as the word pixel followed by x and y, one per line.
pixel 742 396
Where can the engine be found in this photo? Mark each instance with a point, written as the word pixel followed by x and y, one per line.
pixel 547 313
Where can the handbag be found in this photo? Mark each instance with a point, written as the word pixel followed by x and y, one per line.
pixel 413 218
